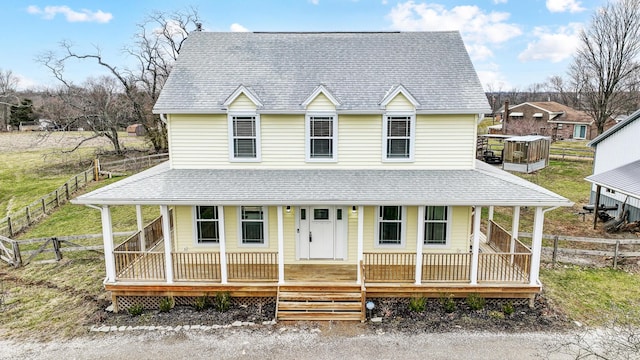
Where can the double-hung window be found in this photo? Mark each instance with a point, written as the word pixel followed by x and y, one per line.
pixel 436 225
pixel 321 137
pixel 244 131
pixel 207 225
pixel 252 225
pixel 399 137
pixel 390 225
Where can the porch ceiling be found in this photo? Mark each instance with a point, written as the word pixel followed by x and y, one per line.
pixel 484 185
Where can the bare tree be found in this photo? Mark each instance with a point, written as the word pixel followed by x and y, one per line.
pixel 606 64
pixel 157 44
pixel 8 96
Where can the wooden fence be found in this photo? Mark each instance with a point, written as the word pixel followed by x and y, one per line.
pixel 600 247
pixel 18 221
pixel 51 249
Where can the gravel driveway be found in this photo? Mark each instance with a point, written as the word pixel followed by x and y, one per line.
pixel 287 343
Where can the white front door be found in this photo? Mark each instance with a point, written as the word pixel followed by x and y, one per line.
pixel 321 232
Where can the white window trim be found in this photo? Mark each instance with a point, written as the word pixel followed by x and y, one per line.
pixel 403 230
pixel 232 157
pixel 576 131
pixel 194 216
pixel 412 136
pixel 307 137
pixel 265 221
pixel 422 222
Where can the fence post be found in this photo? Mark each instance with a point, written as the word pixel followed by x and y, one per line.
pixel 56 248
pixel 17 257
pixel 9 226
pixel 554 256
pixel 66 189
pixel 96 169
pixel 57 198
pixel 28 215
pixel 615 254
pixel 85 178
pixel 76 178
pixel 44 206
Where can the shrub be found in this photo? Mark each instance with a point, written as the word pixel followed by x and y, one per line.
pixel 201 302
pixel 448 304
pixel 135 310
pixel 475 301
pixel 508 309
pixel 222 301
pixel 417 304
pixel 166 304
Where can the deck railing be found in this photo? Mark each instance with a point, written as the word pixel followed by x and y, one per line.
pixel 129 252
pixel 252 266
pixel 131 265
pixel 499 267
pixel 446 267
pixel 390 267
pixel 501 240
pixel 196 266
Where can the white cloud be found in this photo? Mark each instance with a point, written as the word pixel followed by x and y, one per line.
pixel 479 29
pixel 553 46
pixel 314 2
pixel 492 79
pixel 235 27
pixel 500 1
pixel 384 2
pixel 564 5
pixel 25 83
pixel 84 15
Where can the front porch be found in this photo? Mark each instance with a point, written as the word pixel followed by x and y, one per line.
pixel 501 268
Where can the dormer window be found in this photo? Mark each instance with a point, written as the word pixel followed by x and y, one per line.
pixel 244 131
pixel 321 139
pixel 399 137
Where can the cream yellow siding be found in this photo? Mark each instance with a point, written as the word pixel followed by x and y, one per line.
pixel 442 142
pixel 458 241
pixel 445 141
pixel 400 103
pixel 321 103
pixel 242 103
pixel 198 141
pixel 282 141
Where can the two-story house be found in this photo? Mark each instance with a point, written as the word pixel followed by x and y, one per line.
pixel 315 167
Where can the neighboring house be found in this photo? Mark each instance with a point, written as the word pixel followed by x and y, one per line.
pixel 549 118
pixel 616 167
pixel 320 170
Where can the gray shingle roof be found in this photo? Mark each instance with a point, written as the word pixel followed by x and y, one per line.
pixel 484 185
pixel 283 69
pixel 624 179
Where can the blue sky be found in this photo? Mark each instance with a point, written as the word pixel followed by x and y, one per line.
pixel 512 43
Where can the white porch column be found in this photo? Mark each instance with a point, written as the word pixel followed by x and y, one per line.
pixel 140 222
pixel 223 246
pixel 107 239
pixel 536 246
pixel 280 246
pixel 360 241
pixel 489 222
pixel 166 236
pixel 419 244
pixel 515 225
pixel 476 245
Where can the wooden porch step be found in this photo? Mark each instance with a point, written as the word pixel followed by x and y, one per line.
pixel 319 303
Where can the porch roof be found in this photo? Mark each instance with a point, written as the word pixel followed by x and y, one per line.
pixel 623 179
pixel 484 185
